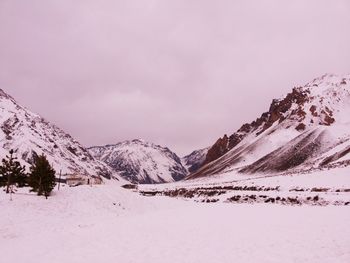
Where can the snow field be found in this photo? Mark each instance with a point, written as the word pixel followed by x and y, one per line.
pixel 109 224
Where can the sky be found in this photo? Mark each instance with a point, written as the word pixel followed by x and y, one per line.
pixel 178 73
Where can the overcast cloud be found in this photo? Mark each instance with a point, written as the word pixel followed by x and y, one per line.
pixel 179 73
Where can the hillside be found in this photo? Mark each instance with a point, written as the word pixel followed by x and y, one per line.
pixel 308 128
pixel 29 135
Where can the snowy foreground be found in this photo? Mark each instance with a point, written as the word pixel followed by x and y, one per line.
pixel 110 224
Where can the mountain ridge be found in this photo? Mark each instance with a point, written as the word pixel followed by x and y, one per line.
pixel 30 135
pixel 320 104
pixel 142 162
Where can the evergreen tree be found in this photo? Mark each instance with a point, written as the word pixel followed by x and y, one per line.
pixel 22 180
pixel 42 176
pixel 12 173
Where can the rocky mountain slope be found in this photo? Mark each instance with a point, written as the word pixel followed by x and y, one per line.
pixel 308 128
pixel 194 160
pixel 30 135
pixel 141 162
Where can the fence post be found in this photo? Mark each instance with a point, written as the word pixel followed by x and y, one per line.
pixel 59 180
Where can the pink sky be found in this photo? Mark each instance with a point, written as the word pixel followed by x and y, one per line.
pixel 178 73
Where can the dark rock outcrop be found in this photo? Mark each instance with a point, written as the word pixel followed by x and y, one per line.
pixel 276 113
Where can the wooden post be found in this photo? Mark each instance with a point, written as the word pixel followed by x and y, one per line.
pixel 59 180
pixel 11 193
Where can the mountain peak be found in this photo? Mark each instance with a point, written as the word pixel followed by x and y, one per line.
pixel 329 79
pixel 139 140
pixel 141 162
pixel 3 94
pixel 323 102
pixel 30 135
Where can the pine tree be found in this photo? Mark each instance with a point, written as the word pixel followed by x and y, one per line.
pixel 42 176
pixel 12 172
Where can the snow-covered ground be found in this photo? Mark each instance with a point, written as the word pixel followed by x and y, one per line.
pixel 109 224
pixel 333 178
pixel 317 187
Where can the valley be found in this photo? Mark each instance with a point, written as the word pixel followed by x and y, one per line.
pixel 277 188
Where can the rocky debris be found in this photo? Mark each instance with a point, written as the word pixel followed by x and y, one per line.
pixel 251 194
pixel 130 186
pixel 207 191
pixel 297 200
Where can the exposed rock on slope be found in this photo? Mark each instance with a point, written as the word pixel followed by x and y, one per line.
pixel 141 162
pixel 195 160
pixel 300 131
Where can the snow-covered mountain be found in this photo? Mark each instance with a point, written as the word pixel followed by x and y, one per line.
pixel 194 160
pixel 29 135
pixel 141 162
pixel 309 128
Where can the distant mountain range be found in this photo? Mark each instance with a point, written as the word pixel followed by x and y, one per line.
pixel 307 129
pixel 137 161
